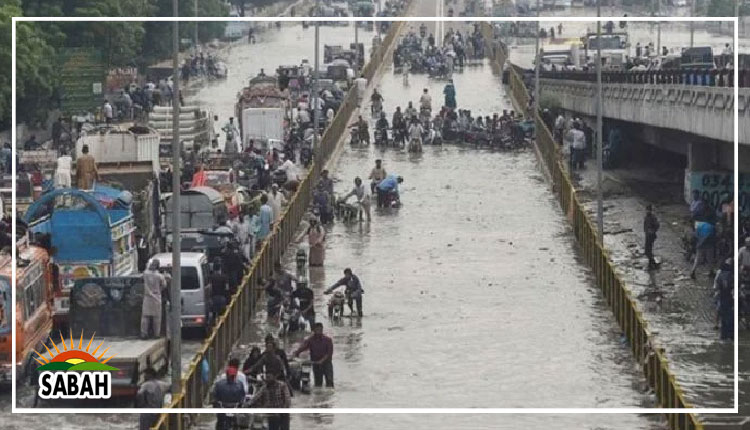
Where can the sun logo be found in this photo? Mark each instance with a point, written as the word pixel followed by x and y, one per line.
pixel 74 373
pixel 73 358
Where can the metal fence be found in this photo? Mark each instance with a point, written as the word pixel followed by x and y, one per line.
pixel 618 296
pixel 235 321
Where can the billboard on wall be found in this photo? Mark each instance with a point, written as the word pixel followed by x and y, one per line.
pixel 82 74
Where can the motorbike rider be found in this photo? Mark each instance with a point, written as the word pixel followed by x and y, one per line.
pixel 227 391
pixel 398 116
pixel 377 174
pixel 377 101
pixel 388 185
pixel 415 133
pixel 306 298
pixel 425 102
pixel 362 130
pixel 382 126
pixel 410 112
pixel 353 290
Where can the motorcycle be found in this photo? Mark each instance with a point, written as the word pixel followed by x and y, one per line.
pixel 425 113
pixel 279 177
pixel 291 318
pixel 399 136
pixel 300 375
pixel 431 137
pixel 415 145
pixel 348 212
pixel 381 136
pixel 377 108
pixel 354 136
pixel 336 306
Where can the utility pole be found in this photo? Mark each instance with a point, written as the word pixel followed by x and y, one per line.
pixel 175 300
pixel 599 127
pixel 316 111
pixel 356 51
pixel 195 29
pixel 658 39
pixel 692 24
pixel 538 61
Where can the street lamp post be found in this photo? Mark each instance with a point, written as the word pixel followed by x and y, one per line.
pixel 599 127
pixel 316 111
pixel 175 287
pixel 537 64
pixel 195 28
pixel 692 24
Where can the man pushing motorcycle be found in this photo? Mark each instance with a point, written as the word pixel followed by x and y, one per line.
pixel 353 290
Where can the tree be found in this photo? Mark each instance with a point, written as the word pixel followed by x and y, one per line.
pixel 720 8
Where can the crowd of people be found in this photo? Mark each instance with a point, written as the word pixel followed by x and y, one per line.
pixel 420 54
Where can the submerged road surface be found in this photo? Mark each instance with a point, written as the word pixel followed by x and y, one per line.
pixel 285 46
pixel 474 295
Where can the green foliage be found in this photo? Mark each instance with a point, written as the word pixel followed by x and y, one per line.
pixel 720 8
pixel 123 43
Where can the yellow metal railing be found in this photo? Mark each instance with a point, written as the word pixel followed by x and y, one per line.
pixel 233 323
pixel 618 296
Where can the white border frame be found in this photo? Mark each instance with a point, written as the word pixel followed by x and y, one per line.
pixel 734 410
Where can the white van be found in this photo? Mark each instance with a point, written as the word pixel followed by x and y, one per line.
pixel 195 287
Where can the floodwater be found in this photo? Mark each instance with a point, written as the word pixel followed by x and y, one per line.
pixel 475 296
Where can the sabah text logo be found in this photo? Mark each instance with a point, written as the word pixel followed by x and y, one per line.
pixel 74 373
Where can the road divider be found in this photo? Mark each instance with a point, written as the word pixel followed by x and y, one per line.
pixel 619 297
pixel 234 323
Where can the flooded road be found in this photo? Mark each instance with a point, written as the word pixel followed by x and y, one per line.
pixel 475 296
pixel 275 46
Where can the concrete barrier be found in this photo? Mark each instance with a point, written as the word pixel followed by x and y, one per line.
pixel 619 298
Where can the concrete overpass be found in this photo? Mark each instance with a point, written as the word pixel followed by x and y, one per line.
pixel 698 110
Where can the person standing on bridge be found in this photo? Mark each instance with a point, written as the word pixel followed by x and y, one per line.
pixel 361 84
pixel 321 355
pixel 724 286
pixel 650 227
pixel 153 284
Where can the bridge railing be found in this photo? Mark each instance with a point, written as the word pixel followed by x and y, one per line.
pixel 706 78
pixel 618 296
pixel 233 323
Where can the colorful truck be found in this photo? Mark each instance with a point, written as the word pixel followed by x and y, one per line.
pixel 93 236
pixel 33 308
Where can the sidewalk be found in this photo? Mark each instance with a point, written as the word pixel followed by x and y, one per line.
pixel 680 311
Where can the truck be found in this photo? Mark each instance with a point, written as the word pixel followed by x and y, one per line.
pixel 33 307
pixel 116 145
pixel 91 233
pixel 261 109
pixel 106 311
pixel 263 124
pixel 196 127
pixel 128 159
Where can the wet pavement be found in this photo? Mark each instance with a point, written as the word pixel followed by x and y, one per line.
pixel 670 300
pixel 274 47
pixel 475 296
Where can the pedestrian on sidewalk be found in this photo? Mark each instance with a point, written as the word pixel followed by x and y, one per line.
pixel 705 234
pixel 650 227
pixel 724 286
